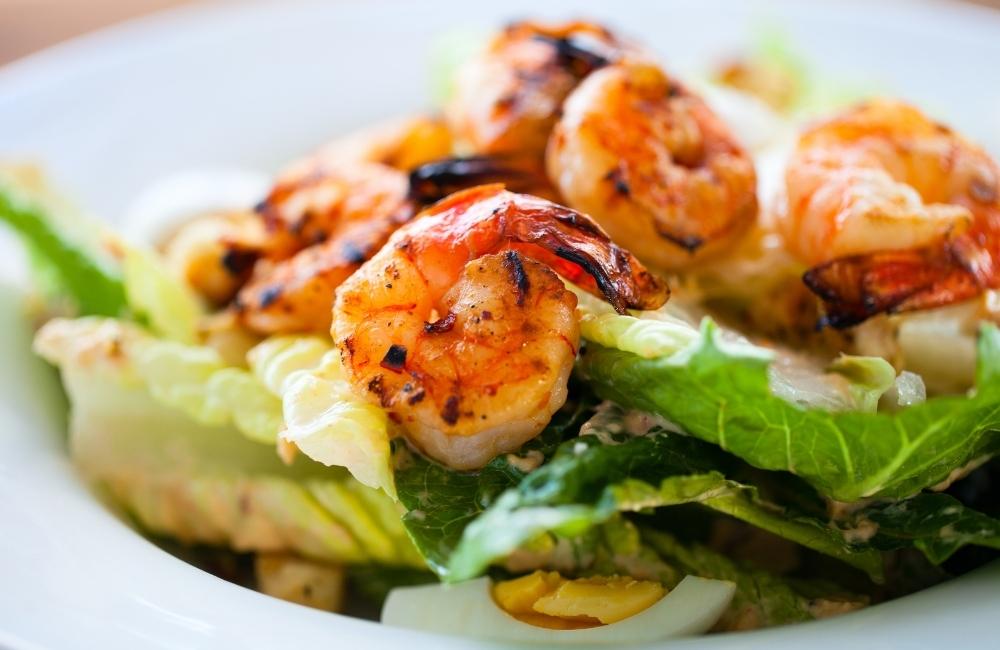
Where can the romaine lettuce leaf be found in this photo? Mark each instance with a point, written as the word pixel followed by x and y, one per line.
pixel 192 379
pixel 77 259
pixel 762 599
pixel 323 416
pixel 66 263
pixel 719 391
pixel 325 419
pixel 440 502
pixel 204 482
pixel 937 524
pixel 294 387
pixel 593 477
pixel 850 383
pixel 168 306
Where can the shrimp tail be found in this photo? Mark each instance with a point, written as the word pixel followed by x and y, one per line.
pixel 569 236
pixel 435 180
pixel 581 55
pixel 566 240
pixel 858 287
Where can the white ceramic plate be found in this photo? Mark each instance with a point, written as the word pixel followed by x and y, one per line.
pixel 250 85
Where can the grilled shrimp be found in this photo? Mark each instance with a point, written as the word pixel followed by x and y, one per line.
pixel 893 211
pixel 460 327
pixel 322 223
pixel 354 177
pixel 324 220
pixel 506 100
pixel 215 253
pixel 653 165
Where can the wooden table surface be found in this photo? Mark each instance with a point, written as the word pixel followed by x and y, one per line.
pixel 30 25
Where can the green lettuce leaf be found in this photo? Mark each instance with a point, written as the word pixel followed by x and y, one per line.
pixel 762 599
pixel 198 479
pixel 66 264
pixel 78 260
pixel 593 477
pixel 937 524
pixel 719 390
pixel 850 383
pixel 440 501
pixel 169 307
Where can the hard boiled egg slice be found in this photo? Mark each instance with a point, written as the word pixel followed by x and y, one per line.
pixel 468 609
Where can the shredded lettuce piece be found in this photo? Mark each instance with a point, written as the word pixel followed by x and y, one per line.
pixel 721 391
pixel 870 378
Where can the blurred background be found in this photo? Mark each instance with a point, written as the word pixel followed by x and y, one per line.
pixel 30 25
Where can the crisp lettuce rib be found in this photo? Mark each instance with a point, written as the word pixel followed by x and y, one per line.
pixel 197 478
pixel 719 391
pixel 292 389
pixel 191 379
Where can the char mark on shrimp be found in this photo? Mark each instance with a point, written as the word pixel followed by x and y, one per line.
pixel 617 178
pixel 395 358
pixel 435 180
pixel 857 287
pixel 450 411
pixel 690 243
pixel 237 261
pixel 512 262
pixel 270 295
pixel 578 54
pixel 441 325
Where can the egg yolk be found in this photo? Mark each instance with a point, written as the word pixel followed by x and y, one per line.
pixel 546 599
